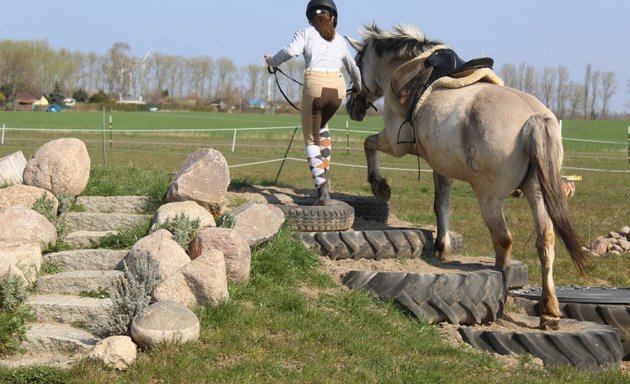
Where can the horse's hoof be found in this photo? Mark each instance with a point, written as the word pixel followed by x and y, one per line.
pixel 381 190
pixel 549 324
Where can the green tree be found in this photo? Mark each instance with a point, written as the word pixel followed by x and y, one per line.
pixel 80 96
pixel 56 96
pixel 100 97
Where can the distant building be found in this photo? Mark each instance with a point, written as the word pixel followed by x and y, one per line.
pixel 257 103
pixel 28 101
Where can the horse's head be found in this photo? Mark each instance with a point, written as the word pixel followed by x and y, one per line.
pixel 378 55
pixel 358 103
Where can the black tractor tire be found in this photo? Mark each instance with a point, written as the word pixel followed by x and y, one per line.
pixel 591 347
pixel 616 315
pixel 315 218
pixel 458 298
pixel 368 208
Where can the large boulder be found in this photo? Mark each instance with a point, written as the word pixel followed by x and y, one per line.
pixel 232 243
pixel 190 209
pixel 258 222
pixel 61 166
pixel 161 247
pixel 21 259
pixel 117 352
pixel 23 225
pixel 12 168
pixel 203 178
pixel 25 195
pixel 165 321
pixel 202 281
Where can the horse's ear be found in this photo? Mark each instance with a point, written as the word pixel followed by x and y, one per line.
pixel 358 46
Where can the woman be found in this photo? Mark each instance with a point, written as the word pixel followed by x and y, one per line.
pixel 324 85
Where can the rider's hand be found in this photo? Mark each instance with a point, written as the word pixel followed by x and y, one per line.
pixel 268 58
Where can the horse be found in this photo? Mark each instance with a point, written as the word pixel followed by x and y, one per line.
pixel 498 139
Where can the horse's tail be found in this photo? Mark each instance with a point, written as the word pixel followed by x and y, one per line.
pixel 544 146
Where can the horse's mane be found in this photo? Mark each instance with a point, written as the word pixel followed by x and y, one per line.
pixel 403 41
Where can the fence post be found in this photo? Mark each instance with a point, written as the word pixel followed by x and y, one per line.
pixel 234 141
pixel 3 126
pixel 110 131
pixel 347 138
pixel 103 137
pixel 628 144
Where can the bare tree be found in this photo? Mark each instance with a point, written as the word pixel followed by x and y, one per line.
pixel 562 91
pixel 201 73
pixel 587 89
pixel 16 67
pixel 548 80
pixel 609 87
pixel 510 76
pixel 255 75
pixel 119 63
pixel 226 71
pixel 576 100
pixel 596 78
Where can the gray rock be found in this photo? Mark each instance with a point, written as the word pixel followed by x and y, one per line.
pixel 12 168
pixel 25 195
pixel 58 338
pixel 190 209
pixel 203 178
pixel 7 267
pixel 202 281
pixel 165 321
pixel 85 239
pixel 87 259
pixel 61 166
pixel 161 247
pixel 25 259
pixel 232 243
pixel 117 352
pixel 258 222
pixel 27 226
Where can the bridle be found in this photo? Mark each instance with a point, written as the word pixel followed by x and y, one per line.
pixel 366 89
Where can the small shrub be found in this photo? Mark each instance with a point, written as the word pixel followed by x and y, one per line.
pixel 129 296
pixel 45 207
pixel 49 268
pixel 226 220
pixel 100 293
pixel 182 228
pixel 13 314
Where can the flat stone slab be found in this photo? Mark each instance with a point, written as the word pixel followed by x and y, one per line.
pixel 69 308
pixel 114 204
pixel 95 221
pixel 87 259
pixel 75 282
pixel 12 168
pixel 57 338
pixel 85 239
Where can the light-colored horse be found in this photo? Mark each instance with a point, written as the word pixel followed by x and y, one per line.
pixel 496 138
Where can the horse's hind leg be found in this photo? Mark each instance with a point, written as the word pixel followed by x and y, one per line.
pixel 371 146
pixel 492 213
pixel 545 241
pixel 442 246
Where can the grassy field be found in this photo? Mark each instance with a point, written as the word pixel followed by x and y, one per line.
pixel 292 324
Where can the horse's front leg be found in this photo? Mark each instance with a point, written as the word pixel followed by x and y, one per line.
pixel 371 146
pixel 442 247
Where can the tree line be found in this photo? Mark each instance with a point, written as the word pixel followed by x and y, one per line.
pixel 35 67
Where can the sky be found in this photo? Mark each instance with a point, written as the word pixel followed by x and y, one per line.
pixel 541 33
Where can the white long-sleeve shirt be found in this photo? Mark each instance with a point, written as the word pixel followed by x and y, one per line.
pixel 319 53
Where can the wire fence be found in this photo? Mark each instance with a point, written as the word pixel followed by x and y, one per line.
pixel 265 138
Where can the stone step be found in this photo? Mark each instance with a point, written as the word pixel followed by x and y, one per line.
pixel 75 282
pixel 69 308
pixel 94 221
pixel 87 259
pixel 53 360
pixel 112 204
pixel 86 239
pixel 58 338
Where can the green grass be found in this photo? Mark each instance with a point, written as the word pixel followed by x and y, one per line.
pixel 291 323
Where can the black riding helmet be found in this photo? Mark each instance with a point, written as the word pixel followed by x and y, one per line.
pixel 329 5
